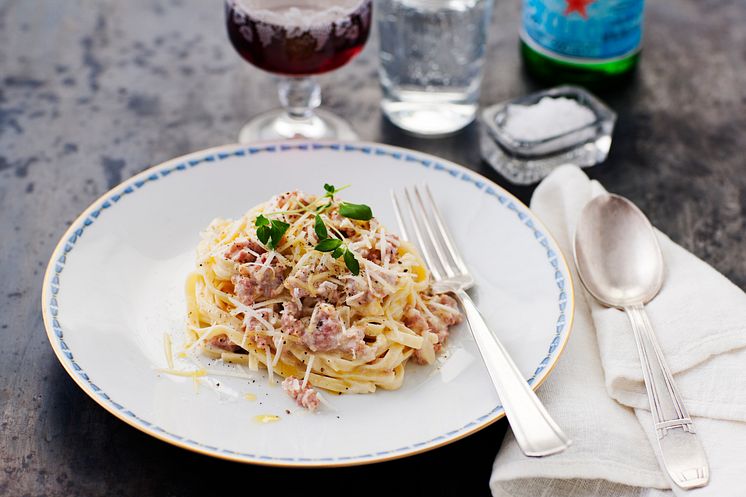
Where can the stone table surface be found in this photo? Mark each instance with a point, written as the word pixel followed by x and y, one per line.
pixel 91 92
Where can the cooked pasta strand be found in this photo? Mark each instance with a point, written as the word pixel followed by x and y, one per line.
pixel 300 312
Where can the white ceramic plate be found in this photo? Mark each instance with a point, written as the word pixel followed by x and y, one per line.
pixel 114 285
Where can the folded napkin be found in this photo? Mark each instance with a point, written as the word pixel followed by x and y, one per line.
pixel 597 395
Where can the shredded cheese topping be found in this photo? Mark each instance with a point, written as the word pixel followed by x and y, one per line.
pixel 297 311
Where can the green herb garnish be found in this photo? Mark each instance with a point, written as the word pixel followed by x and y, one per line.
pixel 270 232
pixel 361 212
pixel 263 229
pixel 335 246
pixel 352 264
pixel 328 245
pixel 320 228
pixel 278 230
pixel 331 190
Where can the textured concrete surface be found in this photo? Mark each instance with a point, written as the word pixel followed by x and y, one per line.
pixel 93 91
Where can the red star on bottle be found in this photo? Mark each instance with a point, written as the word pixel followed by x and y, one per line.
pixel 577 6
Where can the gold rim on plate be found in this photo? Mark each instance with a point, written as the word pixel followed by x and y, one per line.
pixel 131 182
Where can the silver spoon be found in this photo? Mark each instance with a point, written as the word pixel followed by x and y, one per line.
pixel 621 265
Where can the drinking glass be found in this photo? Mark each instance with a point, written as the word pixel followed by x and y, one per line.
pixel 297 39
pixel 432 53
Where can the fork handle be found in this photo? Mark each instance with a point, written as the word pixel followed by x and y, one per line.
pixel 535 431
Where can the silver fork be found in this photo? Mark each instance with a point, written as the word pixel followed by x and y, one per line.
pixel 535 431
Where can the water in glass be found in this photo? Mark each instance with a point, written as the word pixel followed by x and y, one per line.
pixel 432 52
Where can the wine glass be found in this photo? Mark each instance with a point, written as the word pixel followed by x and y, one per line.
pixel 297 39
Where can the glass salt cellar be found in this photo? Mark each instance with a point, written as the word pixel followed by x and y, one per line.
pixel 526 138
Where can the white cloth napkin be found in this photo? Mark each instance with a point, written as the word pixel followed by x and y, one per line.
pixel 597 395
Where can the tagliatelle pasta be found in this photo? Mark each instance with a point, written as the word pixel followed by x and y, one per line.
pixel 347 320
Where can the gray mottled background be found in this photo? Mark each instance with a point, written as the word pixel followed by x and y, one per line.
pixel 92 92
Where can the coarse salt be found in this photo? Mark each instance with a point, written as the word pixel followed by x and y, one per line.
pixel 547 118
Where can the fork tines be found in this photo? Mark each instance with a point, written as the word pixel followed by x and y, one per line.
pixel 430 233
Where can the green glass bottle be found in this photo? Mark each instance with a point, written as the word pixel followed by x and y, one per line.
pixel 581 41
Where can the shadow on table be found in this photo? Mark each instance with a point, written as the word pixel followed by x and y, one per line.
pixel 94 453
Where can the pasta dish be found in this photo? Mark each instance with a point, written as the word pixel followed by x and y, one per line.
pixel 316 290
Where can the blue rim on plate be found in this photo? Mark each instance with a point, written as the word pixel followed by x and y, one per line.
pixel 56 266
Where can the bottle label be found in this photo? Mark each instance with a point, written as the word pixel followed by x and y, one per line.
pixel 583 30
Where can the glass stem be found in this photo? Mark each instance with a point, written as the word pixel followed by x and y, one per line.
pixel 299 96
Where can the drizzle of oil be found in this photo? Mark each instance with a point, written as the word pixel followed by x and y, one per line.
pixel 266 418
pixel 249 396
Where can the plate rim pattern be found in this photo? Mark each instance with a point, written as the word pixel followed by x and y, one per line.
pixel 56 266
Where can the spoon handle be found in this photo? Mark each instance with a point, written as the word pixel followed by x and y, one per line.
pixel 680 449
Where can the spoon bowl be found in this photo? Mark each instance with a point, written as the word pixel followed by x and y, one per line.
pixel 616 252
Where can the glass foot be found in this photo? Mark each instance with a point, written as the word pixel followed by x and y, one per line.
pixel 278 125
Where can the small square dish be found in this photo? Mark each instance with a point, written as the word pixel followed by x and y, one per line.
pixel 524 139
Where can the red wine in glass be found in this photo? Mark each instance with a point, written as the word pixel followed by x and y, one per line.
pixel 298 37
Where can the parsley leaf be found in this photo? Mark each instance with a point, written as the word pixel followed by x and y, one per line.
pixel 352 264
pixel 261 221
pixel 320 229
pixel 336 246
pixel 332 190
pixel 270 232
pixel 328 245
pixel 361 212
pixel 263 233
pixel 277 231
